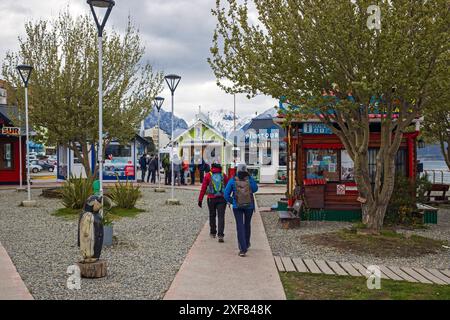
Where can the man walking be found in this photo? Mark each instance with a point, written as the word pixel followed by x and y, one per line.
pixel 213 185
pixel 167 173
pixel 152 167
pixel 143 164
pixel 239 192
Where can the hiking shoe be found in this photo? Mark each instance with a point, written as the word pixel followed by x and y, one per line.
pixel 221 239
pixel 242 254
pixel 212 235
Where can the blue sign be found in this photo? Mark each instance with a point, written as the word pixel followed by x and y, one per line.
pixel 315 128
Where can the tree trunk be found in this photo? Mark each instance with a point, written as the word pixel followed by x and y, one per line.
pixel 373 216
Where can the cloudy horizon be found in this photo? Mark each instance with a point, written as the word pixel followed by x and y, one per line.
pixel 177 35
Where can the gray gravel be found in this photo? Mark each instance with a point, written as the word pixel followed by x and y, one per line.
pixel 147 253
pixel 289 242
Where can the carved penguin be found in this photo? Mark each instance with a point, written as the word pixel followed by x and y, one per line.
pixel 90 230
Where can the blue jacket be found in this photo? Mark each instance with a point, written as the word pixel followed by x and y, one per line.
pixel 231 188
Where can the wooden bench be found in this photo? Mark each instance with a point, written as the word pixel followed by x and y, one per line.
pixel 438 188
pixel 288 220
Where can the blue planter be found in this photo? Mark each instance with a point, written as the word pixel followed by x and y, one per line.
pixel 107 235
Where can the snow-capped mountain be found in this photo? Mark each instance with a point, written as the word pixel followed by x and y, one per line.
pixel 166 117
pixel 223 120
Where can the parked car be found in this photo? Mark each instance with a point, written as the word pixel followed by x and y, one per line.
pixel 52 160
pixel 46 166
pixel 35 168
pixel 32 157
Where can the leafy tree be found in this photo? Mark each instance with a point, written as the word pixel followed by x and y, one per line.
pixel 64 84
pixel 322 56
pixel 437 124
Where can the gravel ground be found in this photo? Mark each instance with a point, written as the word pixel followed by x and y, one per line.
pixel 148 250
pixel 289 242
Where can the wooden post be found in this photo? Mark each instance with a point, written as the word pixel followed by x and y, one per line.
pixel 95 269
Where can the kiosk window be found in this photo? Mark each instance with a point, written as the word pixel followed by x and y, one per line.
pixel 118 151
pixel 283 153
pixel 347 167
pixel 400 163
pixel 322 164
pixel 6 160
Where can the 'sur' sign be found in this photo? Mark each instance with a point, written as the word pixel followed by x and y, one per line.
pixel 10 131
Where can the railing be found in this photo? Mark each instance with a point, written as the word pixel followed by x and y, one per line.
pixel 437 176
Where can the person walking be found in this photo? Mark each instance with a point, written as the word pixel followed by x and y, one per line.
pixel 239 191
pixel 192 171
pixel 176 170
pixel 167 173
pixel 214 185
pixel 184 172
pixel 143 164
pixel 152 167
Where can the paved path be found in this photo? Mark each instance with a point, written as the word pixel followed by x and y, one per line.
pixel 11 285
pixel 422 275
pixel 214 270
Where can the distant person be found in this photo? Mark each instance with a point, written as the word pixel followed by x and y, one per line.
pixel 143 164
pixel 153 168
pixel 214 185
pixel 201 169
pixel 167 170
pixel 192 167
pixel 239 192
pixel 184 171
pixel 176 170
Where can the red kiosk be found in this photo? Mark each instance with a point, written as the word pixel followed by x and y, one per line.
pixel 11 141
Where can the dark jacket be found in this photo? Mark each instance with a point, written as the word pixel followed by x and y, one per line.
pixel 143 163
pixel 153 165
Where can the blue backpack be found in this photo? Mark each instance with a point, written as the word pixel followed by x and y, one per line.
pixel 215 187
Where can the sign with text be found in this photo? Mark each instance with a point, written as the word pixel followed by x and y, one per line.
pixel 315 128
pixel 11 131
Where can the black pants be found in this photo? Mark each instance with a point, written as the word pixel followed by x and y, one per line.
pixel 202 173
pixel 143 174
pixel 217 208
pixel 192 174
pixel 151 176
pixel 167 177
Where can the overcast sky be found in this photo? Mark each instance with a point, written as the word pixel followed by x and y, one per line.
pixel 176 33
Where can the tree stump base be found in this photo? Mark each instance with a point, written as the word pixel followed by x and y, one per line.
pixel 92 270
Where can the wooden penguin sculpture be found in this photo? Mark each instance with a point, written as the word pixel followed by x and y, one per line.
pixel 90 230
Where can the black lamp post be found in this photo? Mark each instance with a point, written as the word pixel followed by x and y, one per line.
pixel 25 73
pixel 108 5
pixel 158 104
pixel 172 81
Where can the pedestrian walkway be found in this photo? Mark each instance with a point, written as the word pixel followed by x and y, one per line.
pixel 214 270
pixel 422 275
pixel 11 285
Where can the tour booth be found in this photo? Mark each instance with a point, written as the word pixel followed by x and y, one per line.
pixel 320 170
pixel 263 149
pixel 12 147
pixel 120 161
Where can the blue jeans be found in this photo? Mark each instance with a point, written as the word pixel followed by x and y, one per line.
pixel 243 227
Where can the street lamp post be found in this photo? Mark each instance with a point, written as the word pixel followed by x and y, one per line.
pixel 108 5
pixel 158 104
pixel 172 81
pixel 25 73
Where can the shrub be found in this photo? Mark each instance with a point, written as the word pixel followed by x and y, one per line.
pixel 402 208
pixel 125 194
pixel 75 192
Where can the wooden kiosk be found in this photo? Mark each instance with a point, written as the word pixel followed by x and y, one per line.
pixel 320 168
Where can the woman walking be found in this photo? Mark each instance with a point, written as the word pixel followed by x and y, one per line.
pixel 239 192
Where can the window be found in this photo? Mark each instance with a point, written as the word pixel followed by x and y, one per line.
pixel 400 163
pixel 282 157
pixel 322 164
pixel 347 167
pixel 118 151
pixel 6 156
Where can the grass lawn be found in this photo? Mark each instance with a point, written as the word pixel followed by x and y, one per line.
pixel 306 286
pixel 116 213
pixel 387 244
